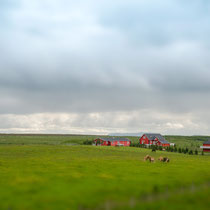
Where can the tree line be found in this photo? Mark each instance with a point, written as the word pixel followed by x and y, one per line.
pixel 185 150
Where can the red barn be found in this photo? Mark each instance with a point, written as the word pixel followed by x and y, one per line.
pixel 154 139
pixel 112 141
pixel 206 146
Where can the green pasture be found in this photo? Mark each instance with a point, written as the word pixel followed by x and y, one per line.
pixel 60 176
pixel 192 142
pixel 44 139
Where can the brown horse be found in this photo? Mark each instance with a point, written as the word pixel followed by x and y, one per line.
pixel 151 159
pixel 160 159
pixel 163 159
pixel 146 157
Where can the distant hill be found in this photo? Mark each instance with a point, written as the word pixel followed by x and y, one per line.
pixel 126 134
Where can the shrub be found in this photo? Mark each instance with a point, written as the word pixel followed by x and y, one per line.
pixel 190 152
pixel 196 152
pixel 87 142
pixel 152 147
pixel 136 144
pixel 180 150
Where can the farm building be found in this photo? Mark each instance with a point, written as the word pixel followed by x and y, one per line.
pixel 154 139
pixel 206 146
pixel 112 141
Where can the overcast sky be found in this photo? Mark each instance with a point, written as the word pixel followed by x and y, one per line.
pixel 97 67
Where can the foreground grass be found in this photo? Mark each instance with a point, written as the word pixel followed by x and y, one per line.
pixel 87 177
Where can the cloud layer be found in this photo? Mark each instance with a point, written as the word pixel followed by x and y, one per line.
pixel 74 60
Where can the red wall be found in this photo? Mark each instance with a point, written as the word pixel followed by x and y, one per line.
pixel 125 143
pixel 145 140
pixel 165 145
pixel 114 143
pixel 206 150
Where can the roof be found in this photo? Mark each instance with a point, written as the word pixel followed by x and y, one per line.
pixel 152 136
pixel 114 139
pixel 206 142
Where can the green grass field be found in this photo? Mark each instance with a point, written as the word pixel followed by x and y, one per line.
pixel 50 172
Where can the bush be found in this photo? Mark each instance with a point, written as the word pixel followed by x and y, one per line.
pixel 196 152
pixel 136 144
pixel 180 150
pixel 190 152
pixel 153 149
pixel 87 142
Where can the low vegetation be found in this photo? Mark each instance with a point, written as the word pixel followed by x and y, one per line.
pixel 58 172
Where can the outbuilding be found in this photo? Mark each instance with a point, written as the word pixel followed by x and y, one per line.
pixel 206 146
pixel 154 139
pixel 112 141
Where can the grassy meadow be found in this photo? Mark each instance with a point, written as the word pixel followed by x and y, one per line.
pixel 56 172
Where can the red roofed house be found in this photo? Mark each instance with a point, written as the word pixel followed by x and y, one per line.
pixel 154 139
pixel 206 146
pixel 112 141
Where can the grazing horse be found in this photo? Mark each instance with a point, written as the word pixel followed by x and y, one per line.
pixel 151 159
pixel 164 159
pixel 160 159
pixel 146 157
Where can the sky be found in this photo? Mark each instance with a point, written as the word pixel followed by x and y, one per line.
pixel 99 67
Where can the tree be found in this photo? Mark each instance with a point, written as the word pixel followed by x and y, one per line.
pixel 87 142
pixel 190 152
pixel 196 152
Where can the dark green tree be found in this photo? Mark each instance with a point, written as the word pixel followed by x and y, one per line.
pixel 196 152
pixel 190 152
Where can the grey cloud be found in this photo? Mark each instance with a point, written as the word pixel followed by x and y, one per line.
pixel 103 123
pixel 120 56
